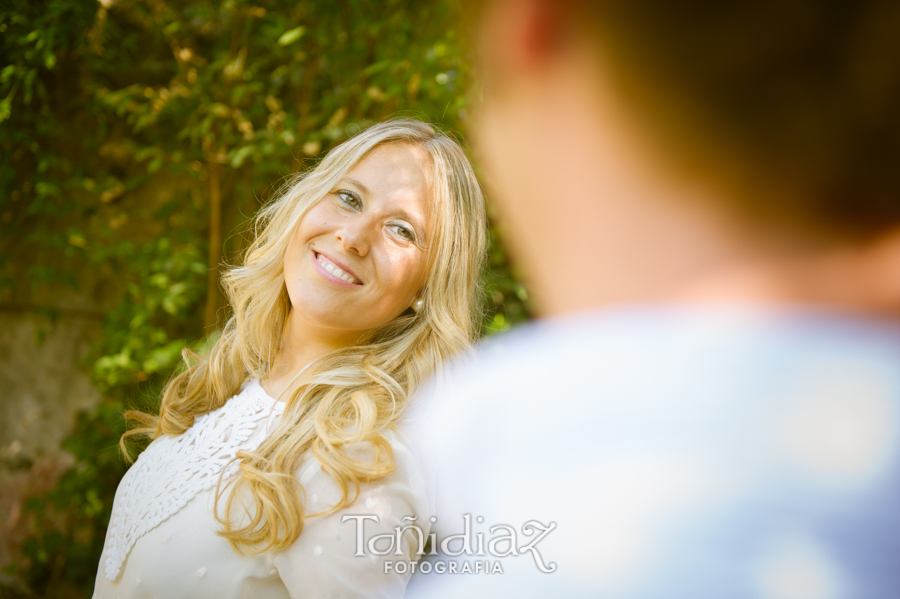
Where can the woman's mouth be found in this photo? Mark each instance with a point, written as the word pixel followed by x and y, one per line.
pixel 337 273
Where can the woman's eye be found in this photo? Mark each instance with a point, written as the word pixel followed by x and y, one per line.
pixel 403 232
pixel 350 199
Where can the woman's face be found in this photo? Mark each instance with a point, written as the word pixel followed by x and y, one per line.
pixel 357 258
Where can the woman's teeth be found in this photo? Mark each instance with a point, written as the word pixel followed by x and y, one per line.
pixel 327 265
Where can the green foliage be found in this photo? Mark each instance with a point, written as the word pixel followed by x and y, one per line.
pixel 141 328
pixel 121 124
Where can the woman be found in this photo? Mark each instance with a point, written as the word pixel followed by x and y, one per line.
pixel 362 279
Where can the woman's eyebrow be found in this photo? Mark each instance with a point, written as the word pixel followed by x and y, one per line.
pixel 357 184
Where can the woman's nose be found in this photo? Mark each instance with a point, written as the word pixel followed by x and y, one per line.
pixel 354 236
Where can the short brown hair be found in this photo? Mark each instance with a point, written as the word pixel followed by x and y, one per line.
pixel 803 95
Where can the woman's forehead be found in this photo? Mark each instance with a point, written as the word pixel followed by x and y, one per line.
pixel 396 160
pixel 395 172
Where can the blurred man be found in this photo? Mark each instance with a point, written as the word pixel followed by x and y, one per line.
pixel 706 199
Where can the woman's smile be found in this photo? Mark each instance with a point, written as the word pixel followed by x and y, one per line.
pixel 334 271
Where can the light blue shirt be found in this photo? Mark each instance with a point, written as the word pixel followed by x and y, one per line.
pixel 683 454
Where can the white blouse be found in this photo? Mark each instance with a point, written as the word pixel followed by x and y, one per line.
pixel 162 539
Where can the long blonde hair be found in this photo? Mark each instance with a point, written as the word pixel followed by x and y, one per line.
pixel 351 395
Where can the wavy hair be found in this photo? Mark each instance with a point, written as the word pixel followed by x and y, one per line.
pixel 350 396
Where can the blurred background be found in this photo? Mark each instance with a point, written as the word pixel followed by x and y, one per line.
pixel 137 139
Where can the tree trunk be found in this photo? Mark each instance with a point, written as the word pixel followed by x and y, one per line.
pixel 215 243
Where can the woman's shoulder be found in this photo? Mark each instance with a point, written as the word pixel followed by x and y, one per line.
pixel 407 462
pixel 334 553
pixel 405 484
pixel 404 458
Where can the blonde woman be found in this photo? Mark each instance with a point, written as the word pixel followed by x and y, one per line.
pixel 361 281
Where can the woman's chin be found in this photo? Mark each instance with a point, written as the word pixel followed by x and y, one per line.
pixel 327 318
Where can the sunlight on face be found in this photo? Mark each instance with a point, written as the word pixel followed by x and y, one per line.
pixel 357 258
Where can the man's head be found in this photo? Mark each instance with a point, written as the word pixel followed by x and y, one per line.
pixel 648 150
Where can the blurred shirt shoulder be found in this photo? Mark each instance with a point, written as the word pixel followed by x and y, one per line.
pixel 656 438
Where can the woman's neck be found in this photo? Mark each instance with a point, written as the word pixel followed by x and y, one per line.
pixel 302 344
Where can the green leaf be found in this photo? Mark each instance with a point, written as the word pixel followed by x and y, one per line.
pixel 241 155
pixel 7 72
pixel 289 37
pixel 376 67
pixel 5 108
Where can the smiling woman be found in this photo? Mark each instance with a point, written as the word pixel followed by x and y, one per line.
pixel 362 280
pixel 357 258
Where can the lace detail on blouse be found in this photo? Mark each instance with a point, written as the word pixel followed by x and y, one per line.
pixel 173 470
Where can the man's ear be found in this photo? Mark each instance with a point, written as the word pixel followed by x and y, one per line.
pixel 521 34
pixel 881 268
